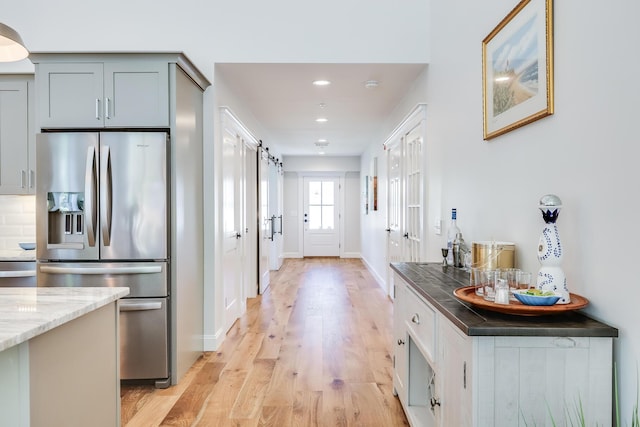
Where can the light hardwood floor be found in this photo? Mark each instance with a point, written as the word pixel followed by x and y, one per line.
pixel 314 350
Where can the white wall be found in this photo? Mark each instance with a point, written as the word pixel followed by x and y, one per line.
pixel 586 153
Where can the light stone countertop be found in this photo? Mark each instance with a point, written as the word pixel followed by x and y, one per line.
pixel 17 255
pixel 28 312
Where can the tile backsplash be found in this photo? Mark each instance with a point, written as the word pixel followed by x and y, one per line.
pixel 17 220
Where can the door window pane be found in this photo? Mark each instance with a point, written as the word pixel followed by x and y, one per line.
pixel 327 218
pixel 315 217
pixel 321 205
pixel 327 193
pixel 315 193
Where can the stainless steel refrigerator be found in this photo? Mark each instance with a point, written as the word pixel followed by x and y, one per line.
pixel 102 219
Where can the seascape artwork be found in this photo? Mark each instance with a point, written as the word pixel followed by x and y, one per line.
pixel 515 68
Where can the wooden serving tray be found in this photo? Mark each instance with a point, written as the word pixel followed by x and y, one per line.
pixel 468 294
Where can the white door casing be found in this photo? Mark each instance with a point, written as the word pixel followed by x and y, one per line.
pixel 321 219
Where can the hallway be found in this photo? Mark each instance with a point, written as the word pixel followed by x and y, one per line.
pixel 314 350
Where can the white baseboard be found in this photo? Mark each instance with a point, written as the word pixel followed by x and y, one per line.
pixel 213 342
pixel 381 282
pixel 351 255
pixel 291 255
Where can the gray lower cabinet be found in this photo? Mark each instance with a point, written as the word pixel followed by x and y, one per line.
pixel 17 137
pixel 452 370
pixel 92 94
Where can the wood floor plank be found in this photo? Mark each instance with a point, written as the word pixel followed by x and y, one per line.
pixel 221 400
pixel 189 405
pixel 253 392
pixel 307 409
pixel 314 350
pixel 275 416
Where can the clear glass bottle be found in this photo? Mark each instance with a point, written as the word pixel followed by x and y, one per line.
pixel 452 232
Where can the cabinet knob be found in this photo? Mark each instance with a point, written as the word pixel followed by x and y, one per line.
pixel 416 319
pixel 400 342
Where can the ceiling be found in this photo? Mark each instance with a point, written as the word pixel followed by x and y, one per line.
pixel 284 101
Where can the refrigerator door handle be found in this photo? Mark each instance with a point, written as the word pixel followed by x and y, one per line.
pixel 18 273
pixel 148 269
pixel 139 306
pixel 105 194
pixel 90 195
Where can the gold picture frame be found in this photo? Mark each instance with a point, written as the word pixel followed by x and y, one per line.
pixel 517 68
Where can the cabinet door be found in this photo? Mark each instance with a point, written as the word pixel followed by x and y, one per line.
pixel 14 138
pixel 455 376
pixel 136 94
pixel 70 95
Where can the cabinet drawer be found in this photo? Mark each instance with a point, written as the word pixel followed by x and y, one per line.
pixel 420 319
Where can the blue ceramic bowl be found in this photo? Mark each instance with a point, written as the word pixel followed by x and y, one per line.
pixel 27 246
pixel 535 299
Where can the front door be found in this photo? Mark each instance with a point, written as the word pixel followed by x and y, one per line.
pixel 321 216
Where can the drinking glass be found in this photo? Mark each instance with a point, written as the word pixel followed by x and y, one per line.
pixel 523 279
pixel 475 280
pixel 488 278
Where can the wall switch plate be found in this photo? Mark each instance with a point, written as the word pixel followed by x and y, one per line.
pixel 437 226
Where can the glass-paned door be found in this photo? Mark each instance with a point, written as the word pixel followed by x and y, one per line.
pixel 321 221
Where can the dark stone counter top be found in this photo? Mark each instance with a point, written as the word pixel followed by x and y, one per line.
pixel 436 285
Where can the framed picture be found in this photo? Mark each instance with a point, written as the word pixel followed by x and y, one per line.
pixel 517 68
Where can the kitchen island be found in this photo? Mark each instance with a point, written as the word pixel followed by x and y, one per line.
pixel 457 364
pixel 59 356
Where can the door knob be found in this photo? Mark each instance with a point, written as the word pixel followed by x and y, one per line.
pixel 388 230
pixel 400 342
pixel 238 235
pixel 406 235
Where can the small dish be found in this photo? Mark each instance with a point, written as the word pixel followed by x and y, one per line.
pixel 528 299
pixel 27 246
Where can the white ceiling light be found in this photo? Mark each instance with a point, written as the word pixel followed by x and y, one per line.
pixel 11 45
pixel 321 82
pixel 322 120
pixel 370 84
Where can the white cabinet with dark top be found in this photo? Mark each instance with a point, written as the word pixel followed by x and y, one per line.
pixel 92 94
pixel 456 364
pixel 17 135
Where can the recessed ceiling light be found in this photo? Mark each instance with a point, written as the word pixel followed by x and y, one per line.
pixel 321 153
pixel 370 84
pixel 321 82
pixel 321 140
pixel 322 120
pixel 322 105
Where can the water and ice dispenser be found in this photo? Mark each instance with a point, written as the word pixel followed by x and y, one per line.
pixel 66 218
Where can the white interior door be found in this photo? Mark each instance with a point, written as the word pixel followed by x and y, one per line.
pixel 231 210
pixel 250 223
pixel 321 233
pixel 414 189
pixel 265 221
pixel 395 209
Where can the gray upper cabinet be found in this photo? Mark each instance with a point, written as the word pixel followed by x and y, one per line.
pixel 17 138
pixel 103 94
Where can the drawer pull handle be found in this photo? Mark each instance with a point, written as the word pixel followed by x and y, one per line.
pixel 400 342
pixel 416 319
